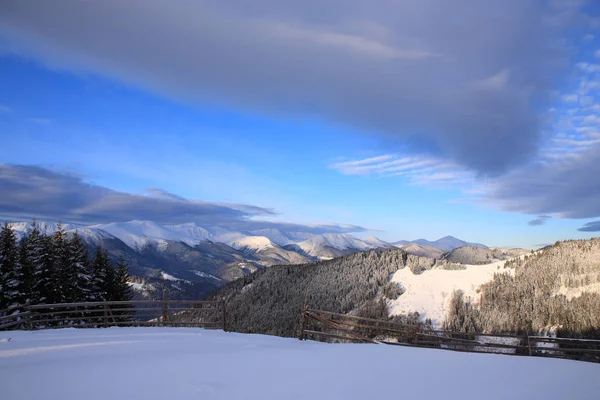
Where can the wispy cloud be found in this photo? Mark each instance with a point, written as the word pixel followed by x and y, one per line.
pixel 5 109
pixel 541 220
pixel 419 170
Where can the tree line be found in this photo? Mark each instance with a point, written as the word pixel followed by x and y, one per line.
pixel 57 268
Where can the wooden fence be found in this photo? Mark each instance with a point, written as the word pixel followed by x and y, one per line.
pixel 330 326
pixel 207 314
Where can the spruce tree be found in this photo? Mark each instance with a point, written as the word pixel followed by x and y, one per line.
pixel 12 294
pixel 100 276
pixel 78 264
pixel 122 290
pixel 64 274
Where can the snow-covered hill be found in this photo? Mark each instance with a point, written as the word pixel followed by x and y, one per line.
pixel 192 363
pixel 429 292
pixel 422 250
pixel 332 245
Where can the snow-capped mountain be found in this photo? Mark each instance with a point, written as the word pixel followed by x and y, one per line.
pixel 333 245
pixel 212 256
pixel 447 243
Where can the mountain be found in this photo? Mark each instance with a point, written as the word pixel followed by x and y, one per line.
pixel 422 250
pixel 447 243
pixel 480 255
pixel 333 245
pixel 494 298
pixel 377 243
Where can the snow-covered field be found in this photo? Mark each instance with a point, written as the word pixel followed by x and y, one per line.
pixel 190 363
pixel 429 293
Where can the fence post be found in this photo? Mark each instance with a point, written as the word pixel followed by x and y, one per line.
pixel 529 345
pixel 165 307
pixel 303 317
pixel 223 314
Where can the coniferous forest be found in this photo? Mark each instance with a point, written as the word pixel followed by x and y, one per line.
pixel 57 268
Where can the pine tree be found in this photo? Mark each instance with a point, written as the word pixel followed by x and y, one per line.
pixel 100 276
pixel 64 274
pixel 122 290
pixel 12 294
pixel 78 264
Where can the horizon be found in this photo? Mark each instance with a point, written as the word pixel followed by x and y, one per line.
pixel 392 121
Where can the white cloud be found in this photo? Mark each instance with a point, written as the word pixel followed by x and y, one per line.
pixel 570 98
pixel 418 170
pixel 5 109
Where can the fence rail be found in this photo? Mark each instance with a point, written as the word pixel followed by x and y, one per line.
pixel 326 325
pixel 207 314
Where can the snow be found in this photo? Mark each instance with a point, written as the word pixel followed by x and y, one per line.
pixel 191 363
pixel 137 286
pixel 430 292
pixel 336 240
pixel 256 243
pixel 204 274
pixel 168 277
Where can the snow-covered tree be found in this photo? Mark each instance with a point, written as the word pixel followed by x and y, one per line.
pixel 12 293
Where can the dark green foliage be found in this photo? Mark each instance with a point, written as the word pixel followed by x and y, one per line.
pixel 45 269
pixel 12 293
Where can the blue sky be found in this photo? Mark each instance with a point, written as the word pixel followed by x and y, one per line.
pixel 316 162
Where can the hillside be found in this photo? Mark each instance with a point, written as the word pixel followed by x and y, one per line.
pixel 556 289
pixel 482 255
pixel 422 250
pixel 270 300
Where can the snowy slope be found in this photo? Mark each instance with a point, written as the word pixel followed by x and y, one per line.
pixel 253 243
pixel 429 293
pixel 336 240
pixel 274 235
pixel 191 363
pixel 422 250
pixel 375 242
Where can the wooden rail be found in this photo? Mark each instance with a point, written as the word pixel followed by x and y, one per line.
pixel 328 326
pixel 207 314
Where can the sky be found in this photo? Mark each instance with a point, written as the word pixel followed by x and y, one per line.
pixel 400 120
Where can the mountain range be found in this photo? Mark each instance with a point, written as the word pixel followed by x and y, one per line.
pixel 190 253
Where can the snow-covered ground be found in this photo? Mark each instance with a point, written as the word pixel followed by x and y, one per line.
pixel 189 363
pixel 429 293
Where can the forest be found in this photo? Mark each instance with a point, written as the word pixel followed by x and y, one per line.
pixel 555 290
pixel 56 268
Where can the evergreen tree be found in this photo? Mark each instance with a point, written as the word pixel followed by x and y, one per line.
pixel 101 276
pixel 64 274
pixel 12 294
pixel 78 264
pixel 121 289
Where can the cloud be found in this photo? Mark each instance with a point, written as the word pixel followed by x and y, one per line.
pixel 5 109
pixel 416 73
pixel 541 220
pixel 567 187
pixel 33 191
pixel 418 170
pixel 593 226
